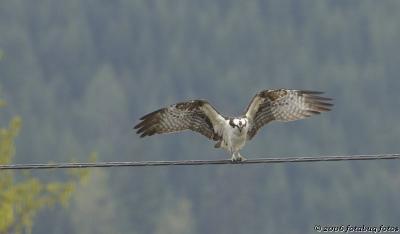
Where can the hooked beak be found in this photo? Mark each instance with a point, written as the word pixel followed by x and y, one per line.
pixel 240 128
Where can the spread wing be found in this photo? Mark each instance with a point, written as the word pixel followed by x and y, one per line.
pixel 196 115
pixel 284 105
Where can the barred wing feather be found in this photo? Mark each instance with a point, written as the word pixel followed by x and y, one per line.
pixel 196 115
pixel 284 105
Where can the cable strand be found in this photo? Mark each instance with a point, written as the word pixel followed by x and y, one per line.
pixel 322 158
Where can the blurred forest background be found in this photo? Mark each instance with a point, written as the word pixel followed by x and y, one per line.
pixel 80 73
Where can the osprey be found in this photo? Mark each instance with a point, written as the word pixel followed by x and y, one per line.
pixel 232 133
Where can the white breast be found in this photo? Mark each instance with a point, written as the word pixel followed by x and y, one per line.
pixel 233 139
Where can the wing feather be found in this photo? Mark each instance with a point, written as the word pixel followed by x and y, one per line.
pixel 284 105
pixel 196 115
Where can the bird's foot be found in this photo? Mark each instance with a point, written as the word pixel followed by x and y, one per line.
pixel 237 158
pixel 241 158
pixel 233 158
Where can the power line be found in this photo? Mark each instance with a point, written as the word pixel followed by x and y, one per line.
pixel 200 162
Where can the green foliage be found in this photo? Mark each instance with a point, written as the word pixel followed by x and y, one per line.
pixel 20 200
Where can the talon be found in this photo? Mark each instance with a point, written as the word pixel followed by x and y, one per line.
pixel 236 160
pixel 233 159
pixel 241 158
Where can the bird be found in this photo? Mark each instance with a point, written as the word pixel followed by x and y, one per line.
pixel 232 133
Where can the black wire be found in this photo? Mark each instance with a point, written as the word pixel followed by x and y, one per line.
pixel 199 162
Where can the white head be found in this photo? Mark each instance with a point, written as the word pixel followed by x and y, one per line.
pixel 240 123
